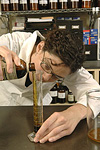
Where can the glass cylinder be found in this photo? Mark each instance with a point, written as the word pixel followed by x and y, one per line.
pixel 63 4
pixel 5 5
pixel 53 4
pixel 74 3
pixel 14 5
pixel 23 5
pixel 34 5
pixel 93 117
pixel 37 103
pixel 86 3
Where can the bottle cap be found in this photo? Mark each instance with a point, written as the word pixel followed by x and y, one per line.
pixel 32 67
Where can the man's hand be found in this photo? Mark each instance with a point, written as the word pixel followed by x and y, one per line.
pixel 10 58
pixel 60 124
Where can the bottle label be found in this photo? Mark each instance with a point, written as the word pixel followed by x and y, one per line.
pixel 53 93
pixel 4 1
pixel 33 1
pixel 71 98
pixel 74 0
pixel 51 1
pixel 61 95
pixel 23 1
pixel 13 1
pixel 61 1
pixel 43 2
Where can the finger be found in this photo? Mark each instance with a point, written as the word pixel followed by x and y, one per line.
pixel 56 131
pixel 16 59
pixel 42 131
pixel 1 73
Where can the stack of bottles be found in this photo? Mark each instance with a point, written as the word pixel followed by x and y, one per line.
pixel 61 94
pixel 24 5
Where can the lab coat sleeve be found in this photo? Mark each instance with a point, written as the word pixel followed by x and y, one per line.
pixel 14 41
pixel 79 83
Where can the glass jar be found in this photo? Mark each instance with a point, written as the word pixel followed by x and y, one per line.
pixel 23 5
pixel 53 4
pixel 86 3
pixel 63 4
pixel 74 3
pixel 14 5
pixel 5 5
pixel 43 4
pixel 34 5
pixel 93 117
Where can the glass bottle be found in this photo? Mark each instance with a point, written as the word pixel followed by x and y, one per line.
pixel 63 4
pixel 14 5
pixel 18 71
pixel 71 98
pixel 53 93
pixel 23 5
pixel 34 5
pixel 53 4
pixel 5 5
pixel 74 3
pixel 61 94
pixel 86 3
pixel 98 3
pixel 43 4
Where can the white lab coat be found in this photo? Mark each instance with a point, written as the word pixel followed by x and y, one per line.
pixel 14 92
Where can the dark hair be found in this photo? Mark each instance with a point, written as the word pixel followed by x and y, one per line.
pixel 67 46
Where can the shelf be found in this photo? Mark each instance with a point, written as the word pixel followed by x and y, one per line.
pixel 46 12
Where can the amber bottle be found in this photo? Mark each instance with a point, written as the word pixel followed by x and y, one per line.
pixel 43 4
pixel 53 4
pixel 74 3
pixel 86 3
pixel 61 94
pixel 14 5
pixel 63 4
pixel 33 5
pixel 18 71
pixel 71 98
pixel 5 5
pixel 23 5
pixel 53 93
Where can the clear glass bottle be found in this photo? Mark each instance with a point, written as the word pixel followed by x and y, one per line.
pixel 86 3
pixel 74 3
pixel 18 71
pixel 53 4
pixel 23 5
pixel 14 5
pixel 43 4
pixel 34 5
pixel 53 93
pixel 63 4
pixel 71 98
pixel 5 5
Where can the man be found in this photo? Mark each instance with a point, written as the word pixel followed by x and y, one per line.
pixel 59 55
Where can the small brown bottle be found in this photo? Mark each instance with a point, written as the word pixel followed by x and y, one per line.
pixel 63 4
pixel 71 98
pixel 18 71
pixel 53 93
pixel 74 3
pixel 61 94
pixel 53 4
pixel 5 5
pixel 34 5
pixel 23 5
pixel 86 3
pixel 98 3
pixel 14 5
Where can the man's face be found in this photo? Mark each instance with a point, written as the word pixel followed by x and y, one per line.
pixel 51 65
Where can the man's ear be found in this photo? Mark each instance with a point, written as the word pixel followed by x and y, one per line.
pixel 40 46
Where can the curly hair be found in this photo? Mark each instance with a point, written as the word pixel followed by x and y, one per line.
pixel 67 46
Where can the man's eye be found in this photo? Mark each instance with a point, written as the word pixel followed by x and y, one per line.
pixel 47 67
